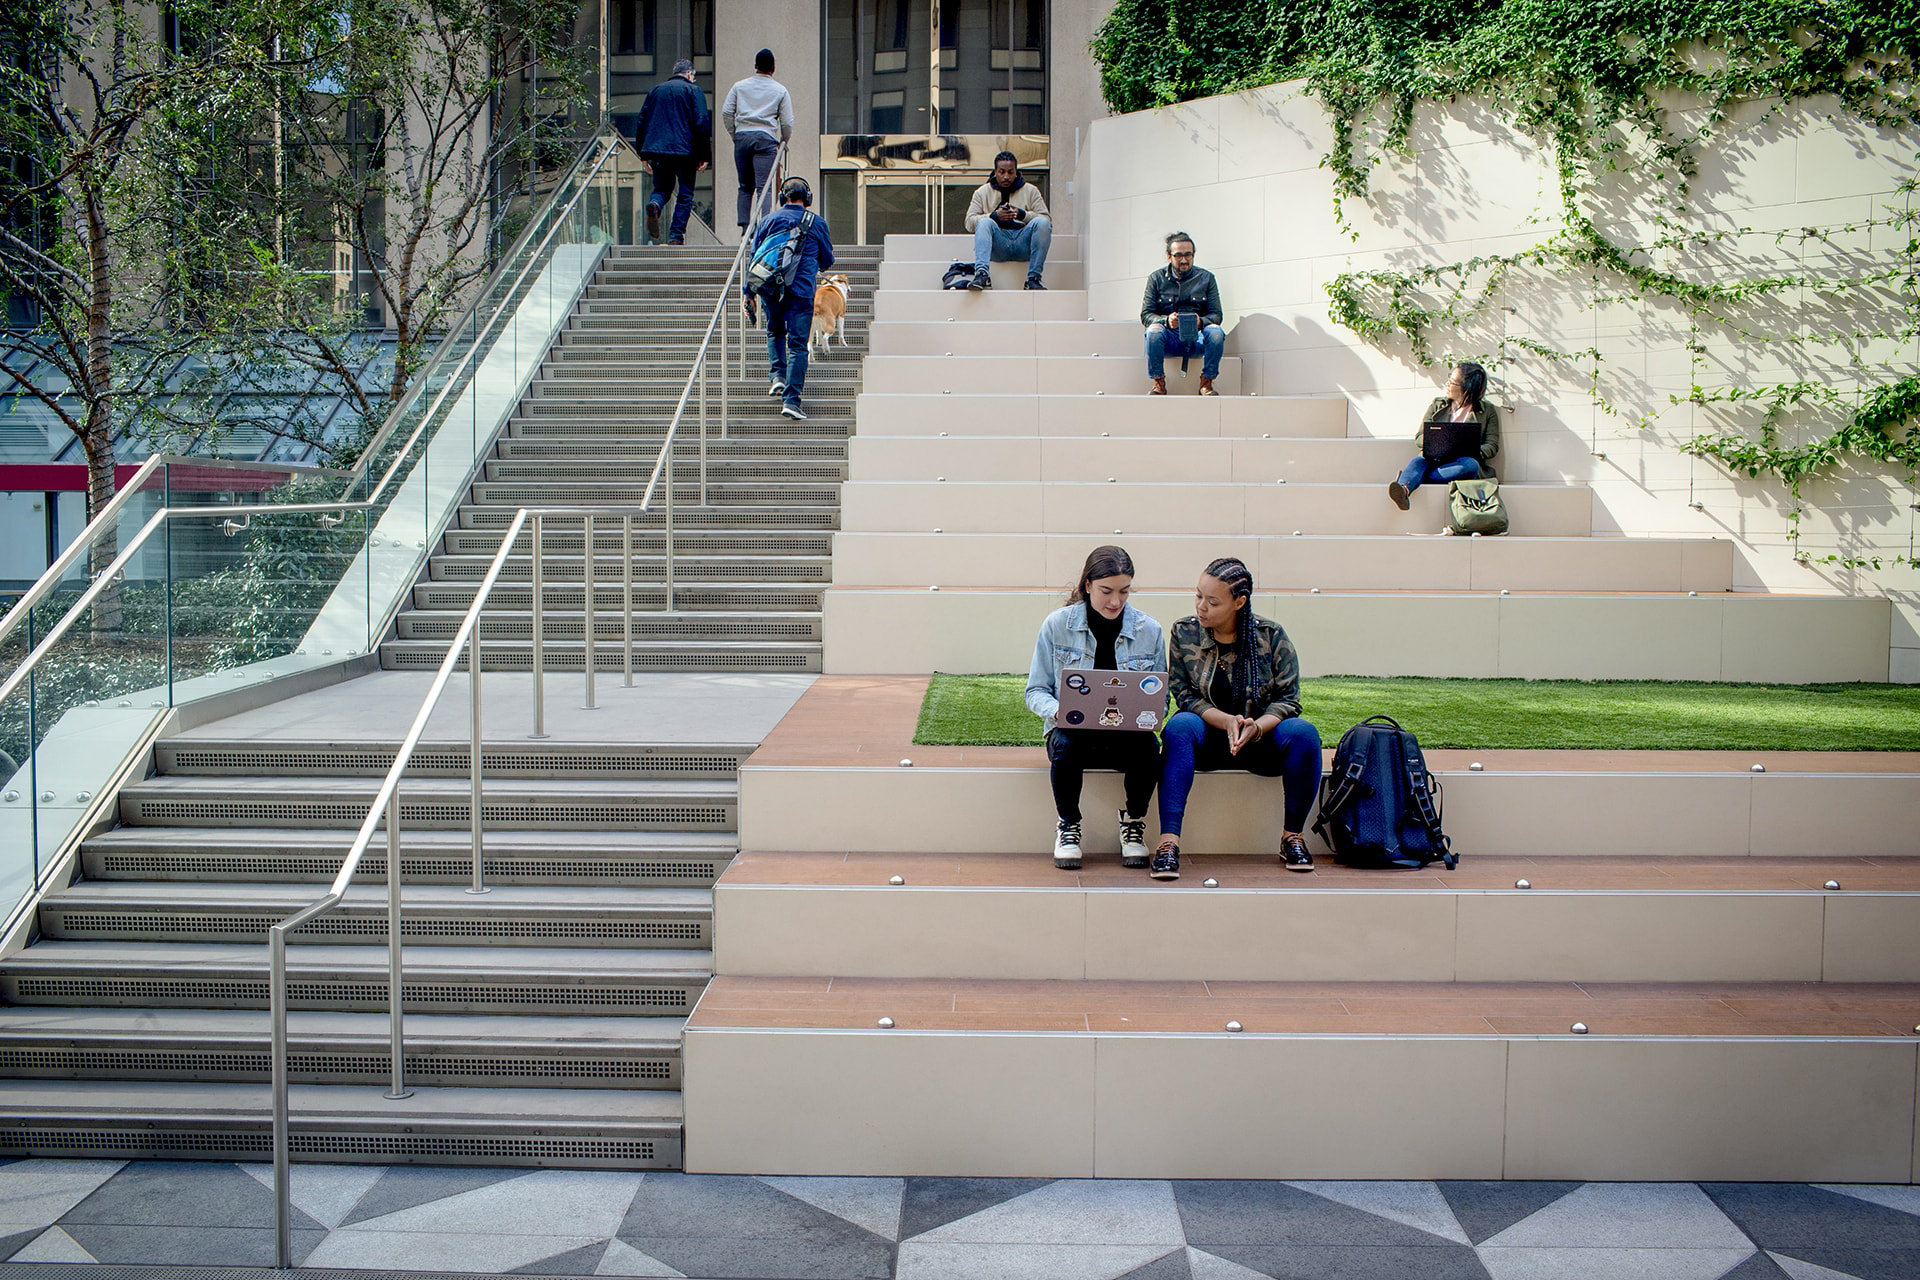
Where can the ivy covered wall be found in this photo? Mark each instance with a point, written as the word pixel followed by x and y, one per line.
pixel 1681 236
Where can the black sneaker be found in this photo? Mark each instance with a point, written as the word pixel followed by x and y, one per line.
pixel 981 280
pixel 1166 861
pixel 792 409
pixel 1066 846
pixel 1294 855
pixel 776 388
pixel 653 222
pixel 1033 283
pixel 1133 841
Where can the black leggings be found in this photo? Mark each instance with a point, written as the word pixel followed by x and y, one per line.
pixel 1072 752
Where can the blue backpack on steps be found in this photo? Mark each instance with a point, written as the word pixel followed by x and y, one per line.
pixel 1379 807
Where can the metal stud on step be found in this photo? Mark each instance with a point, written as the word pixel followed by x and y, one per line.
pixel 1209 883
pixel 1476 767
pixel 885 1024
pixel 896 880
pixel 1758 768
pixel 1235 1027
pixel 1578 1028
pixel 906 764
pixel 1832 884
pixel 1523 884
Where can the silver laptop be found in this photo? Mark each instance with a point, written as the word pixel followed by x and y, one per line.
pixel 1131 700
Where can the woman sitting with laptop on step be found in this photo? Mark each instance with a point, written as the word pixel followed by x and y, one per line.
pixel 1235 682
pixel 1097 630
pixel 1458 437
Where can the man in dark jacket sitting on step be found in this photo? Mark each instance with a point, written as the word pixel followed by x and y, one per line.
pixel 1178 289
pixel 675 138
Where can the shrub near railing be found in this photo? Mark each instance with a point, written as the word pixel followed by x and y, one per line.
pixel 1592 80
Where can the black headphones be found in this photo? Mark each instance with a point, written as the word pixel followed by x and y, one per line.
pixel 796 188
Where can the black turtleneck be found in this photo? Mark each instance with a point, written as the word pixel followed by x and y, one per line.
pixel 1104 634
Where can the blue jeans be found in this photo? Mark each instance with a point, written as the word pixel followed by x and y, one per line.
pixel 1164 341
pixel 1420 471
pixel 1030 240
pixel 670 172
pixel 787 328
pixel 753 153
pixel 1291 753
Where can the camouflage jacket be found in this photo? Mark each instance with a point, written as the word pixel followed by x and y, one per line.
pixel 1193 657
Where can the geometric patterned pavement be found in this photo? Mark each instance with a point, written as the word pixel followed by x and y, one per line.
pixel 595 1223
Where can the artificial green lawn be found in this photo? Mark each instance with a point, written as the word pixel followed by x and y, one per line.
pixel 1562 714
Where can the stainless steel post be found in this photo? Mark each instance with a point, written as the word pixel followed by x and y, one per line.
pixel 539 653
pixel 668 524
pixel 705 366
pixel 626 593
pixel 282 1172
pixel 398 1089
pixel 586 577
pixel 473 756
pixel 724 396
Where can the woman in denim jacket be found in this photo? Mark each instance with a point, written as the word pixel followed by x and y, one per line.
pixel 1235 681
pixel 1097 630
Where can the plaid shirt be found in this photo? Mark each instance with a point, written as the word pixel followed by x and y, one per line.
pixel 1193 657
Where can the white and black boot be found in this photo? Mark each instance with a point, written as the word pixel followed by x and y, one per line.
pixel 1133 841
pixel 1066 845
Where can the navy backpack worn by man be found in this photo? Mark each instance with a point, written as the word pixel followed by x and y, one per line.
pixel 790 313
pixel 675 138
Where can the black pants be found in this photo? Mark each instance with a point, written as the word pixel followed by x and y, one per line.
pixel 1071 752
pixel 670 172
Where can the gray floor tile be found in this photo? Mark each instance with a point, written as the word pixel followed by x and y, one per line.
pixel 1485 1209
pixel 410 1185
pixel 1866 1264
pixel 1074 1212
pixel 1791 1218
pixel 574 1262
pixel 1758 1267
pixel 804 1255
pixel 871 1203
pixel 187 1246
pixel 719 1207
pixel 1628 1215
pixel 1333 1262
pixel 13 1240
pixel 1589 1263
pixel 925 1260
pixel 1172 1267
pixel 934 1202
pixel 170 1194
pixel 1273 1213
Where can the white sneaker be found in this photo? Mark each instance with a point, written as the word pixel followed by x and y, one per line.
pixel 1133 841
pixel 776 388
pixel 1066 846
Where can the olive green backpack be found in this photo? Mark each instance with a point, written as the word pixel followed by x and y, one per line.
pixel 1474 506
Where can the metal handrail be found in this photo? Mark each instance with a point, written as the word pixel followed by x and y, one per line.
pixel 136 483
pixel 386 802
pixel 607 144
pixel 698 372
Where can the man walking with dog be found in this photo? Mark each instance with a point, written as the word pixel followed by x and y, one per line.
pixel 790 250
pixel 675 139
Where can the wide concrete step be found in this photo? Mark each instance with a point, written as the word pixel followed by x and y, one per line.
pixel 441 1049
pixel 1606 919
pixel 959 244
pixel 796 656
pixel 608 568
pixel 509 916
pixel 446 979
pixel 1009 338
pixel 1529 636
pixel 427 856
pixel 643 449
pixel 573 1128
pixel 822 376
pixel 519 803
pixel 683 627
pixel 990 305
pixel 706 597
pixel 1112 375
pixel 927 273
pixel 1145 507
pixel 753 413
pixel 987 410
pixel 686 468
pixel 208 754
pixel 1708 1082
pixel 808 542
pixel 720 493
pixel 1177 459
pixel 688 517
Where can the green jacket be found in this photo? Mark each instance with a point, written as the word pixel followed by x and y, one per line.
pixel 1193 657
pixel 1489 417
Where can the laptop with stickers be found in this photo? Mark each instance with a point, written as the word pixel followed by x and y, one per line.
pixel 1129 700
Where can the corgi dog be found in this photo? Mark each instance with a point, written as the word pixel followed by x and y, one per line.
pixel 829 311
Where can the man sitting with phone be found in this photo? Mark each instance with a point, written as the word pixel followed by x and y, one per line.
pixel 1181 311
pixel 1008 221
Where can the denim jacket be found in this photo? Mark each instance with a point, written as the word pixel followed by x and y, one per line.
pixel 1066 642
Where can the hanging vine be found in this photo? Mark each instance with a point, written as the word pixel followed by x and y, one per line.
pixel 1591 79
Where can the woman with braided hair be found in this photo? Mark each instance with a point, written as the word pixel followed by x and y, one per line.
pixel 1235 682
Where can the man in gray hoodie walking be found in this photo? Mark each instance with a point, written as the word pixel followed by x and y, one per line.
pixel 759 114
